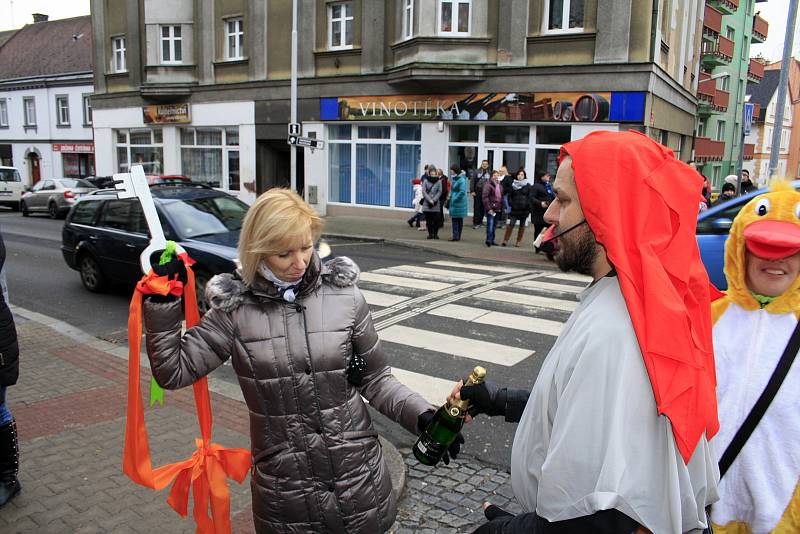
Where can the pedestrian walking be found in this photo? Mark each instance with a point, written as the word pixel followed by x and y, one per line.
pixel 505 182
pixel 755 340
pixel 483 175
pixel 415 219
pixel 541 197
pixel 519 200
pixel 432 201
pixel 302 342
pixel 492 196
pixel 445 180
pixel 624 360
pixel 458 202
pixel 9 373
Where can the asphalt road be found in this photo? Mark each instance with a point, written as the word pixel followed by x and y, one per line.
pixel 40 280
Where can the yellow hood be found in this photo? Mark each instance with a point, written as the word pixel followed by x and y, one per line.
pixel 782 204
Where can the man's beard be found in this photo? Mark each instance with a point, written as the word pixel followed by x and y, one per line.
pixel 577 252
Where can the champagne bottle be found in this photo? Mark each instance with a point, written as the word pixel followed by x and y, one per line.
pixel 445 425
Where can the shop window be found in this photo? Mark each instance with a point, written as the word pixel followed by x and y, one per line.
pixel 409 132
pixel 340 25
pixel 29 109
pixel 171 45
pixel 407 163
pixel 408 19
pixel 373 172
pixel 211 156
pixel 3 113
pixel 339 171
pixel 553 135
pixel 508 134
pixel 62 110
pixel 87 110
pixel 140 147
pixel 77 165
pixel 118 45
pixel 563 16
pixel 464 134
pixel 234 39
pixel 374 132
pixel 546 161
pixel 455 17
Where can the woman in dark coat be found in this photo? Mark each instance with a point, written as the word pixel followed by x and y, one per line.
pixel 519 200
pixel 541 197
pixel 9 371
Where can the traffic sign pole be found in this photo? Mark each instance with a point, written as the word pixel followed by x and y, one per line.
pixel 293 99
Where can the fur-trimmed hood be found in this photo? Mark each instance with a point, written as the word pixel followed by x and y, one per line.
pixel 227 291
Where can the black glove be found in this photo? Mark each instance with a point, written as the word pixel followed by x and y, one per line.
pixel 486 398
pixel 424 420
pixel 172 269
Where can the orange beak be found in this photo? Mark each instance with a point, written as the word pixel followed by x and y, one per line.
pixel 772 240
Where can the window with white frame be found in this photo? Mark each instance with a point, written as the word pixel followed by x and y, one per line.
pixel 143 147
pixel 62 110
pixel 29 110
pixel 211 156
pixel 87 110
pixel 408 19
pixel 721 131
pixel 118 45
pixel 3 113
pixel 340 25
pixel 563 16
pixel 171 45
pixel 234 38
pixel 455 17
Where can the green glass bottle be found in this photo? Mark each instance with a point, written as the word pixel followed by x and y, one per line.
pixel 445 425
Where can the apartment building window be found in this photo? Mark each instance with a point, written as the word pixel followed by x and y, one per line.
pixel 118 44
pixel 29 110
pixel 730 33
pixel 3 113
pixel 455 17
pixel 211 156
pixel 408 19
pixel 340 25
pixel 87 110
pixel 234 39
pixel 701 129
pixel 62 110
pixel 171 51
pixel 721 131
pixel 726 83
pixel 563 16
pixel 143 147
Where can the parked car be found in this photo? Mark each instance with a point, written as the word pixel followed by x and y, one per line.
pixel 54 196
pixel 11 187
pixel 153 179
pixel 101 182
pixel 713 226
pixel 103 236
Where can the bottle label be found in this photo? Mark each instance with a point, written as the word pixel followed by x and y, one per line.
pixel 430 448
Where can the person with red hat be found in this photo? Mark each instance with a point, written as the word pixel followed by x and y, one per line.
pixel 756 337
pixel 614 436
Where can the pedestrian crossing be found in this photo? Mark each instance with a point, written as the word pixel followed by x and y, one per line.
pixel 439 319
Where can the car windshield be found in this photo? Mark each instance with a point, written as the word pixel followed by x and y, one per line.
pixel 9 175
pixel 68 182
pixel 205 216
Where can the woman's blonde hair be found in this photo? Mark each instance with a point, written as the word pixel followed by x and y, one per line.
pixel 278 222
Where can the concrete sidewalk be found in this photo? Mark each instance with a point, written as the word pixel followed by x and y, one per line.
pixel 70 406
pixel 389 229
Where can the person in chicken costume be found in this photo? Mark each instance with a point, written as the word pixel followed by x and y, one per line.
pixel 753 323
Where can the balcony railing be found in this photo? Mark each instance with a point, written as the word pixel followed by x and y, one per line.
pixel 756 112
pixel 760 29
pixel 755 72
pixel 707 88
pixel 728 7
pixel 717 52
pixel 721 100
pixel 706 149
pixel 749 150
pixel 712 21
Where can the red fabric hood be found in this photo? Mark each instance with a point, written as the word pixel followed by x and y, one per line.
pixel 641 204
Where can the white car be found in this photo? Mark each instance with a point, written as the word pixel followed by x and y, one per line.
pixel 11 187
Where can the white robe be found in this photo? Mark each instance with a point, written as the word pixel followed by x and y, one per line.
pixel 591 439
pixel 759 484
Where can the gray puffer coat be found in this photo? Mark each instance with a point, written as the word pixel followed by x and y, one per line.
pixel 317 462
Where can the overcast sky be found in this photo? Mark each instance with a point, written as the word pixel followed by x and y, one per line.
pixel 16 13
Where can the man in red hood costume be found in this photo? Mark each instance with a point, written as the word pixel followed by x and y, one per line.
pixel 614 435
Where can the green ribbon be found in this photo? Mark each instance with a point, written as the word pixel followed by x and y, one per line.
pixel 156 391
pixel 763 300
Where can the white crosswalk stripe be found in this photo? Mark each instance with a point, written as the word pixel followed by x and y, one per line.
pixel 506 320
pixel 572 277
pixel 403 281
pixel 432 274
pixel 432 389
pixel 376 298
pixel 564 288
pixel 529 300
pixel 476 266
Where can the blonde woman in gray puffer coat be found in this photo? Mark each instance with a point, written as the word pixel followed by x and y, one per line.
pixel 302 343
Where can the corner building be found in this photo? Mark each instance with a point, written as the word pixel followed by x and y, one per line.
pixel 202 88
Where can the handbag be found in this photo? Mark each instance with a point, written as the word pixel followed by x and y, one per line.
pixel 763 402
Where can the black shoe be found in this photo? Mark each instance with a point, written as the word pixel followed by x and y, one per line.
pixel 9 463
pixel 429 237
pixel 503 244
pixel 494 243
pixel 410 224
pixel 436 237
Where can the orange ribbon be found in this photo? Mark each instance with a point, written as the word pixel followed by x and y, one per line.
pixel 209 466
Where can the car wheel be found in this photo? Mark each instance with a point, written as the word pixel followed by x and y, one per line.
pixel 91 275
pixel 24 208
pixel 52 210
pixel 16 206
pixel 201 278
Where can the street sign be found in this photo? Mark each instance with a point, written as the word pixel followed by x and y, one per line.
pixel 748 117
pixel 294 128
pixel 308 142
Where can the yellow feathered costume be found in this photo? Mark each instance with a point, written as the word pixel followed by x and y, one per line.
pixel 761 491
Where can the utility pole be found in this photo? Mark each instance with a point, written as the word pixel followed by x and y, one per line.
pixel 293 99
pixel 783 83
